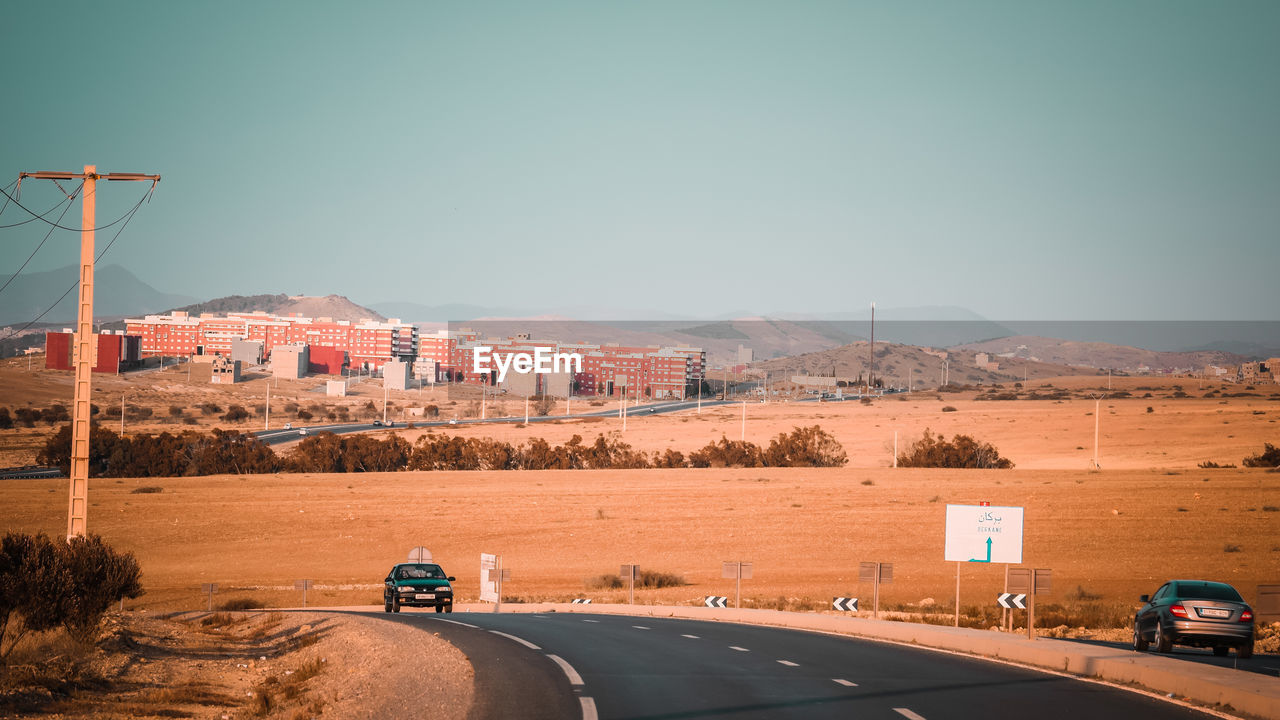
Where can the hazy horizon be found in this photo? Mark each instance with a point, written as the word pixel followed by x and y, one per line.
pixel 1060 162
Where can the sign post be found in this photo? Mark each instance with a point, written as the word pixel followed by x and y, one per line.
pixel 982 534
pixel 209 589
pixel 304 586
pixel 491 576
pixel 738 571
pixel 630 573
pixel 1027 583
pixel 875 573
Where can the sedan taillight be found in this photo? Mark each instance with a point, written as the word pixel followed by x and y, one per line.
pixel 1246 616
pixel 1178 611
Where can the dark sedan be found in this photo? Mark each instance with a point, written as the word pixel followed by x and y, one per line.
pixel 418 585
pixel 1197 613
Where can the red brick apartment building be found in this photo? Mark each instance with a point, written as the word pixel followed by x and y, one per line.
pixel 646 372
pixel 367 343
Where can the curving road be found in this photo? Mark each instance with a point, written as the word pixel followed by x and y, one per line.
pixel 611 666
pixel 277 436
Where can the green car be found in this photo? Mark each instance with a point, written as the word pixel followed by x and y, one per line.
pixel 418 585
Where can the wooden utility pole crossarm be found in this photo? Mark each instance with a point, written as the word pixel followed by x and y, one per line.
pixel 84 345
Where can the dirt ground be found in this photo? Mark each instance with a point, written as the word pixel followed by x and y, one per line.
pixel 236 665
pixel 1108 536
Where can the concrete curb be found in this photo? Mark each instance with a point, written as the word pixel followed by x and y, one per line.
pixel 1230 691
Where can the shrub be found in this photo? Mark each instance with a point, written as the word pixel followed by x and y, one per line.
pixel 240 603
pixel 147 490
pixel 1209 465
pixel 6 420
pixel 27 416
pixel 962 451
pixel 44 584
pixel 805 447
pixel 431 411
pixel 1269 457
pixel 726 453
pixel 55 414
pixel 236 413
pixel 176 411
pixel 948 408
pixel 210 408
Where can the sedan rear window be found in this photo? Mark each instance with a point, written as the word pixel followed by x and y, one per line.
pixel 1207 591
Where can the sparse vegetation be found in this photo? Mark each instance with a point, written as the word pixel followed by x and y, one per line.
pixel 962 451
pixel 1268 458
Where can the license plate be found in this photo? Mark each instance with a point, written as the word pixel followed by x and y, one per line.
pixel 425 596
pixel 1215 612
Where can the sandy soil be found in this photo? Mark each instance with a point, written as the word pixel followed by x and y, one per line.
pixel 245 664
pixel 1114 534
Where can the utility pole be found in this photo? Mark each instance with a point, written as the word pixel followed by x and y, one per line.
pixel 266 417
pixel 871 372
pixel 78 504
pixel 1097 408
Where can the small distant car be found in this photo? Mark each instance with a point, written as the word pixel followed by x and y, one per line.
pixel 1198 613
pixel 378 423
pixel 303 431
pixel 418 585
pixel 453 421
pixel 288 426
pixel 652 410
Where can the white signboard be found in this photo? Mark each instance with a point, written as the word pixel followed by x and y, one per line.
pixel 488 578
pixel 984 534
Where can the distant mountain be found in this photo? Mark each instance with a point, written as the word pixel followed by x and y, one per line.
pixel 900 365
pixel 1095 354
pixel 117 293
pixel 330 306
pixel 417 312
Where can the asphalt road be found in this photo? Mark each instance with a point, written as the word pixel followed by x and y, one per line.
pixel 665 669
pixel 277 436
pixel 1259 663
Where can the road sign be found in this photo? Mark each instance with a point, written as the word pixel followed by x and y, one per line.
pixel 845 604
pixel 1011 601
pixel 983 534
pixel 716 601
pixel 488 578
pixel 875 573
pixel 730 570
pixel 419 555
pixel 630 573
pixel 303 584
pixel 1038 581
pixel 209 589
pixel 581 601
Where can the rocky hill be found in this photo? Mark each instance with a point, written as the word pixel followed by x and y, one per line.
pixel 337 307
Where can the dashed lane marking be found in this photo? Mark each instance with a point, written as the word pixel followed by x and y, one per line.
pixel 574 678
pixel 846 683
pixel 639 627
pixel 591 621
pixel 456 622
pixel 739 649
pixel 522 641
pixel 691 637
pixel 788 663
pixel 904 712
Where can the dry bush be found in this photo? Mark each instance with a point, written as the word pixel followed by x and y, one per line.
pixel 962 451
pixel 240 603
pixel 1269 457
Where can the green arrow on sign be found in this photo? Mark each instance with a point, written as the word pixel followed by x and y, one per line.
pixel 988 553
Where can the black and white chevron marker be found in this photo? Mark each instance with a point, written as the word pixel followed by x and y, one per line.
pixel 846 604
pixel 1011 601
pixel 581 601
pixel 716 601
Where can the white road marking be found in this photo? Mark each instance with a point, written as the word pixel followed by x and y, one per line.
pixel 843 682
pixel 574 677
pixel 591 621
pixel 639 627
pixel 455 622
pixel 589 709
pixel 691 637
pixel 735 647
pixel 908 714
pixel 522 641
pixel 788 663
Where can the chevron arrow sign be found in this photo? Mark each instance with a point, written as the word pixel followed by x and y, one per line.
pixel 845 604
pixel 581 601
pixel 1012 602
pixel 716 601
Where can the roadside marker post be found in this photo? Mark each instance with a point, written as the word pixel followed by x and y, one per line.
pixel 304 586
pixel 715 601
pixel 209 589
pixel 1030 582
pixel 738 571
pixel 845 604
pixel 492 574
pixel 875 573
pixel 630 573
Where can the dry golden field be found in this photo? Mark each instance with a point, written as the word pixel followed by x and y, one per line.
pixel 1115 534
pixel 1150 514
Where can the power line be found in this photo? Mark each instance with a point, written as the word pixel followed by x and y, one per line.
pixel 126 217
pixel 61 227
pixel 42 242
pixel 39 217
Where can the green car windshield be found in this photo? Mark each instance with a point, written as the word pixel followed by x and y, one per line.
pixel 419 572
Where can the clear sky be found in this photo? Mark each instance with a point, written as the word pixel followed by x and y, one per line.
pixel 1023 159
